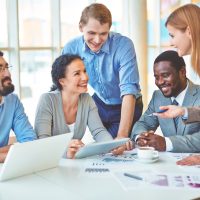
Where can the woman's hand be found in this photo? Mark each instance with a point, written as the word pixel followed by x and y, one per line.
pixel 129 145
pixel 190 160
pixel 74 146
pixel 119 150
pixel 172 111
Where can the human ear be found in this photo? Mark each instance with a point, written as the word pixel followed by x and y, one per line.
pixel 188 32
pixel 183 71
pixel 61 81
pixel 80 27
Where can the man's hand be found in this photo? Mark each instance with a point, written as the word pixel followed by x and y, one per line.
pixel 3 153
pixel 74 146
pixel 2 157
pixel 129 144
pixel 152 140
pixel 142 140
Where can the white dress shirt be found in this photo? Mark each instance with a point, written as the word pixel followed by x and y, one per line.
pixel 179 99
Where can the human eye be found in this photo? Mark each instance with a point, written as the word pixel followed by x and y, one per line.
pixel 171 35
pixel 2 68
pixel 76 73
pixel 91 33
pixel 165 75
pixel 104 34
pixel 156 77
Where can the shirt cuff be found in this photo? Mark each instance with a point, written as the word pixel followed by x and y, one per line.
pixel 169 146
pixel 136 137
pixel 185 116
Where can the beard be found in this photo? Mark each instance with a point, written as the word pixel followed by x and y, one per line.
pixel 6 89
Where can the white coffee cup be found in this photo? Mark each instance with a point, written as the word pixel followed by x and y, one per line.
pixel 147 153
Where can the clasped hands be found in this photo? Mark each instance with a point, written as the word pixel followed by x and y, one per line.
pixel 153 140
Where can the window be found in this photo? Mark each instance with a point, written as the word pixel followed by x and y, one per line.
pixel 45 26
pixel 70 16
pixel 34 23
pixel 158 37
pixel 3 22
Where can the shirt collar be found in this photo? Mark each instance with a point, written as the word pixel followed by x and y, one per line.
pixel 2 101
pixel 181 96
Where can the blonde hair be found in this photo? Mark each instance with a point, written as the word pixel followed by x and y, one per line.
pixel 188 16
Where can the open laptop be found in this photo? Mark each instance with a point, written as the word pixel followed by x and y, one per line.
pixel 29 157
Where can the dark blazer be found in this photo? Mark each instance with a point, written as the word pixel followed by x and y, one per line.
pixel 187 136
pixel 193 115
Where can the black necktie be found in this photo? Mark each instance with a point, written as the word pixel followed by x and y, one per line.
pixel 176 118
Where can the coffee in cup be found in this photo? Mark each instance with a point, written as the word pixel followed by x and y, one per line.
pixel 147 153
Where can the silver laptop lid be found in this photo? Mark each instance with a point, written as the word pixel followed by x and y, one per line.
pixel 29 157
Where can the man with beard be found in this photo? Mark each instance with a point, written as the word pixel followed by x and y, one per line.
pixel 170 78
pixel 12 114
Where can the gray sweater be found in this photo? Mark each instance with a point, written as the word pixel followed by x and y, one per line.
pixel 50 118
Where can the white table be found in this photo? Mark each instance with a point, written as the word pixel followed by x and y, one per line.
pixel 69 181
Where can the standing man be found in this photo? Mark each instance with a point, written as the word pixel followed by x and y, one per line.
pixel 12 114
pixel 174 88
pixel 111 64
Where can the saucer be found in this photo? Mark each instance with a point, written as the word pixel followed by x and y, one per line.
pixel 154 159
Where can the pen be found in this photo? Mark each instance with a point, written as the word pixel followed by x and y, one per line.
pixel 133 176
pixel 159 111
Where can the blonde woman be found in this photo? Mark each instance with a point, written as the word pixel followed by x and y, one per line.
pixel 184 28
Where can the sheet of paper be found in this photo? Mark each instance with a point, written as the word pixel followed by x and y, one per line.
pixel 104 164
pixel 158 180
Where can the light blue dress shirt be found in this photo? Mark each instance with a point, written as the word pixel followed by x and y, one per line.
pixel 12 116
pixel 113 71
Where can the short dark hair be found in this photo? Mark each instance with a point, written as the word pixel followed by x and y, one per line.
pixel 176 61
pixel 59 68
pixel 97 11
pixel 1 53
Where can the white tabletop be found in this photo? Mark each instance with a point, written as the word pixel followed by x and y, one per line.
pixel 70 181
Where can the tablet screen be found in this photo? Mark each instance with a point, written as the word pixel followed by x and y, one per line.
pixel 100 147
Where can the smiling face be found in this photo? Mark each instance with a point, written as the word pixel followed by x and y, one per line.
pixel 170 81
pixel 95 34
pixel 76 78
pixel 180 40
pixel 6 86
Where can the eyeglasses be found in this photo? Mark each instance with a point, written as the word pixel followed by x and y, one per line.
pixel 2 69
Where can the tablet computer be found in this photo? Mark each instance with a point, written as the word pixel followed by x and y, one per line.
pixel 100 148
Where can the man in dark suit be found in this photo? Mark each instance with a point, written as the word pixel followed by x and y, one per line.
pixel 170 78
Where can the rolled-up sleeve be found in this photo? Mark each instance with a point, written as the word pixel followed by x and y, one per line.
pixel 128 71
